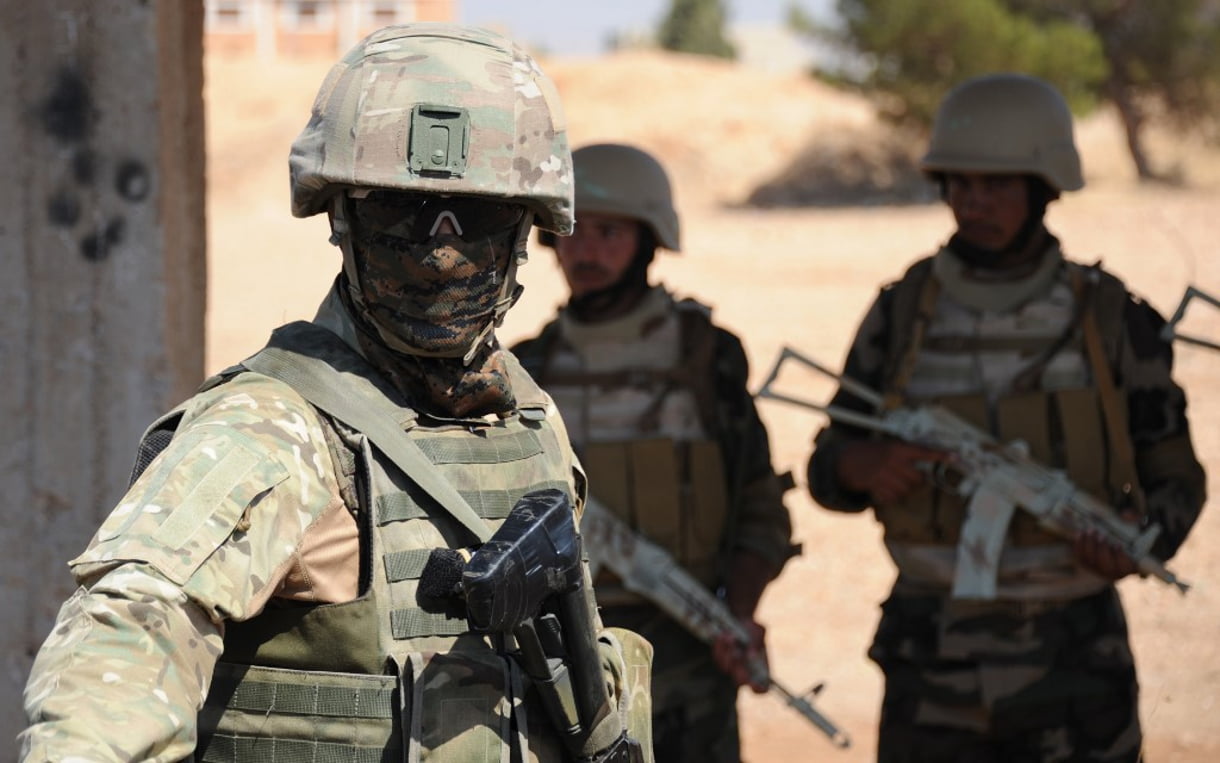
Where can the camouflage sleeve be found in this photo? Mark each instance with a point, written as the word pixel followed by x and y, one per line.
pixel 865 363
pixel 205 535
pixel 1170 475
pixel 762 524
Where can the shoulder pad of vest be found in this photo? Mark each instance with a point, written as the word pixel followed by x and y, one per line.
pixel 694 305
pixel 529 395
pixel 1111 294
pixel 914 274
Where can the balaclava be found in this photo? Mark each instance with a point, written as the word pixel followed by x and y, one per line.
pixel 427 300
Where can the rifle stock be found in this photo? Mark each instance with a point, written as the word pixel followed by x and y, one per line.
pixel 1170 332
pixel 648 570
pixel 994 477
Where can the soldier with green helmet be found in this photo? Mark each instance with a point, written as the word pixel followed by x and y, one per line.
pixel 655 400
pixel 262 591
pixel 1001 329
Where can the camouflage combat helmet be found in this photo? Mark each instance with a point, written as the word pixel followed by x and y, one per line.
pixel 616 179
pixel 1009 123
pixel 437 108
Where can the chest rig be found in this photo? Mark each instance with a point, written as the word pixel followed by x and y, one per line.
pixel 391 675
pixel 1073 419
pixel 673 487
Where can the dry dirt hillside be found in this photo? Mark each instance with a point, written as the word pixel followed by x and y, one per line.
pixel 784 276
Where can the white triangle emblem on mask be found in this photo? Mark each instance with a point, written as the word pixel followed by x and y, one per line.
pixel 445 215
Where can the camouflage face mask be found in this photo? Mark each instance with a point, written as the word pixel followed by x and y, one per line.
pixel 431 269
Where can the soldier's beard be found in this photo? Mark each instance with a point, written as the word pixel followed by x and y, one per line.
pixel 618 298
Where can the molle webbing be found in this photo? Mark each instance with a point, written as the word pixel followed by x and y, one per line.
pixel 406 565
pixel 228 747
pixel 339 717
pixel 303 698
pixel 443 618
pixel 413 622
pixel 486 504
pixel 517 447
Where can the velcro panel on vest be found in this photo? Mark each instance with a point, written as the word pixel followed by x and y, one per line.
pixel 272 714
pixel 175 519
pixel 412 622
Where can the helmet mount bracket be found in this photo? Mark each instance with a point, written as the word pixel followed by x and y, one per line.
pixel 439 140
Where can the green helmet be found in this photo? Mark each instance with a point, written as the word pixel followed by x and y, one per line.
pixel 616 179
pixel 437 108
pixel 1009 123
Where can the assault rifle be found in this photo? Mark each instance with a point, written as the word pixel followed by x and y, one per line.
pixel 648 570
pixel 1169 332
pixel 527 580
pixel 994 477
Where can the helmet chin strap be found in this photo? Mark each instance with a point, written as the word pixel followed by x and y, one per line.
pixel 510 289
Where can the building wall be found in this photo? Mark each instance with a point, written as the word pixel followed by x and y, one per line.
pixel 102 279
pixel 273 28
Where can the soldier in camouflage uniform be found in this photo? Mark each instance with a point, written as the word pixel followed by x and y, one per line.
pixel 1001 329
pixel 256 595
pixel 654 396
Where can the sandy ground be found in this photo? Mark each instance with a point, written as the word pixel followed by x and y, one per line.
pixel 793 277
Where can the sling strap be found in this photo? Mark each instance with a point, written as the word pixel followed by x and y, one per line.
pixel 327 388
pixel 1111 402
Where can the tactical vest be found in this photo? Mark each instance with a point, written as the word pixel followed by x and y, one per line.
pixel 678 492
pixel 1078 425
pixel 392 675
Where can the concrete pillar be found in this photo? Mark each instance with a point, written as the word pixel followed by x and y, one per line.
pixel 102 278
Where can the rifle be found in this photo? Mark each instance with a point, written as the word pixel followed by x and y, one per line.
pixel 1170 332
pixel 994 477
pixel 647 569
pixel 527 580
